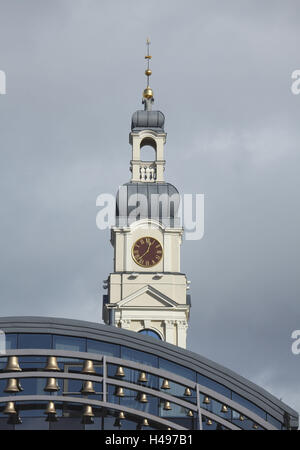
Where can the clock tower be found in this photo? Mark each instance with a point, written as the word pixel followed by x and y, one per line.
pixel 147 292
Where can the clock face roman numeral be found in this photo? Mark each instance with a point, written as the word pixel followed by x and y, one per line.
pixel 147 252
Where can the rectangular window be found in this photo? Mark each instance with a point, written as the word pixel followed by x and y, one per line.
pixel 33 340
pixel 214 385
pixel 103 348
pixel 69 343
pixel 177 369
pixel 244 402
pixel 141 357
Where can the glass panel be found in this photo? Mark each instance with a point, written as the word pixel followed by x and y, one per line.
pixel 11 341
pixel 32 409
pixel 30 340
pixel 103 348
pixel 138 356
pixel 64 423
pixel 244 402
pixel 70 343
pixel 274 421
pixel 33 386
pixel 29 423
pixel 214 385
pixel 177 369
pixel 175 411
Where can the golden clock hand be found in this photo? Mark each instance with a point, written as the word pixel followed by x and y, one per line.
pixel 140 257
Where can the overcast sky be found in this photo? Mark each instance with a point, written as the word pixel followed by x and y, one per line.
pixel 222 76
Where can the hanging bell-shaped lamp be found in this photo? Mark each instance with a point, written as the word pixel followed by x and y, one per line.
pixel 255 426
pixel 190 413
pixel 224 409
pixel 120 372
pixel 52 364
pixel 242 418
pixel 143 398
pixel 12 385
pixel 165 384
pixel 187 392
pixel 50 408
pixel 88 367
pixel 145 423
pixel 88 411
pixel 167 406
pixel 209 422
pixel 121 415
pixel 206 400
pixel 87 388
pixel 12 364
pixel 142 378
pixel 10 408
pixel 119 392
pixel 51 385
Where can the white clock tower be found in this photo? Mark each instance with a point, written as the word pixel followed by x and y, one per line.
pixel 147 292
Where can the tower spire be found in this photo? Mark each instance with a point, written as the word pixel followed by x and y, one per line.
pixel 148 93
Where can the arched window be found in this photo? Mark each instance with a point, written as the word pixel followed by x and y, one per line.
pixel 150 333
pixel 148 149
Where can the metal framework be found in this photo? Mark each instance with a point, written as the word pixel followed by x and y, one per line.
pixel 198 411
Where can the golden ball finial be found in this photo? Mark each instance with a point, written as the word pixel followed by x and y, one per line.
pixel 148 72
pixel 148 93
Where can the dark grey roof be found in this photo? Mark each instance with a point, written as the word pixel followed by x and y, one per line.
pixel 144 343
pixel 159 201
pixel 153 120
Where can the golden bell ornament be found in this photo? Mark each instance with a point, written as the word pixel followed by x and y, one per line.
pixel 165 384
pixel 51 385
pixel 167 406
pixel 143 398
pixel 88 367
pixel 120 372
pixel 88 411
pixel 119 392
pixel 121 415
pixel 209 422
pixel 145 423
pixel 87 388
pixel 206 400
pixel 187 392
pixel 190 413
pixel 142 378
pixel 50 408
pixel 12 385
pixel 242 418
pixel 12 364
pixel 10 408
pixel 52 364
pixel 224 409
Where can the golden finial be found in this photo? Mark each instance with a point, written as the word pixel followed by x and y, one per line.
pixel 148 93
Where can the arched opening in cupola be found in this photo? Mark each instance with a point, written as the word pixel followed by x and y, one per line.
pixel 148 149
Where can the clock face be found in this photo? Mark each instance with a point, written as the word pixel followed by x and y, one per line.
pixel 147 252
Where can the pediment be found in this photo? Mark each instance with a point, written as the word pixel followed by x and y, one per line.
pixel 147 297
